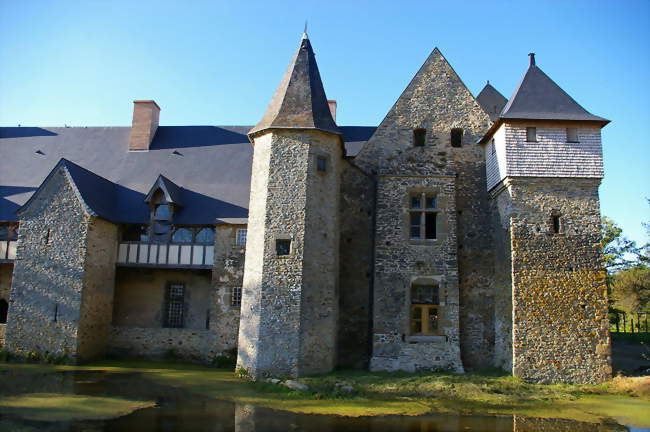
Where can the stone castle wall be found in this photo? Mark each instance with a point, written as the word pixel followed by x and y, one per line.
pixel 400 262
pixel 48 274
pixel 163 343
pixel 560 322
pixel 356 215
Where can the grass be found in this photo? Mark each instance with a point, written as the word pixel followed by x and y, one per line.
pixel 67 407
pixel 625 399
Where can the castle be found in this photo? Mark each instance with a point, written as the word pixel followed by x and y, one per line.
pixel 460 233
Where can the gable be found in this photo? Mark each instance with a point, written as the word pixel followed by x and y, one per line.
pixel 437 100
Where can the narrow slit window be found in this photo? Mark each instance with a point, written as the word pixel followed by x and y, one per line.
pixel 419 137
pixel 456 137
pixel 321 164
pixel 531 134
pixel 4 308
pixel 235 297
pixel 572 135
pixel 557 225
pixel 174 306
pixel 282 247
pixel 493 146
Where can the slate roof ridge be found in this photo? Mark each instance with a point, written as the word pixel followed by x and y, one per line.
pixel 300 101
pixel 97 199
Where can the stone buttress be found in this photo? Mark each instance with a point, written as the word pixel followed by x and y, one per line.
pixel 289 309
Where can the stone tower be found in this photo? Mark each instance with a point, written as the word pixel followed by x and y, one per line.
pixel 544 165
pixel 289 306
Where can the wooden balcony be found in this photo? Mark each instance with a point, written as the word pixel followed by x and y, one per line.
pixel 165 255
pixel 7 250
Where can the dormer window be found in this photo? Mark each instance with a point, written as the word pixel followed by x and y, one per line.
pixel 531 134
pixel 419 137
pixel 161 218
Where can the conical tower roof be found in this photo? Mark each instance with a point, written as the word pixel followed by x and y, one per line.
pixel 491 101
pixel 300 101
pixel 538 97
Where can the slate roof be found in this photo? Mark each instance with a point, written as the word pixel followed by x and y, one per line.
pixel 538 97
pixel 491 101
pixel 300 101
pixel 210 166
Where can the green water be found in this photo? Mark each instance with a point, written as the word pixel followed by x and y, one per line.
pixel 177 410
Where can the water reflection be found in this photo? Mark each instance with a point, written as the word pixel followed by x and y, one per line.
pixel 177 410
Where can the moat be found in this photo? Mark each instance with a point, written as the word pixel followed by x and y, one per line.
pixel 42 398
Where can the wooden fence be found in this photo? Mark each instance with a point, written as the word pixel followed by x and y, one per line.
pixel 621 322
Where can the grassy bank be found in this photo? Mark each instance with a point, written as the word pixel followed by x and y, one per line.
pixel 625 399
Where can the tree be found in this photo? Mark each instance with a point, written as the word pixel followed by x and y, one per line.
pixel 631 288
pixel 619 252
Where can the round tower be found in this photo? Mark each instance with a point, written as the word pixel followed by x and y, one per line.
pixel 289 308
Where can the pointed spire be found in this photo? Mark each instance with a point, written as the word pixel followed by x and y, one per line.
pixel 538 97
pixel 491 101
pixel 300 101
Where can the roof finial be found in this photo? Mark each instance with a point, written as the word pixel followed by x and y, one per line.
pixel 304 33
pixel 532 58
pixel 488 82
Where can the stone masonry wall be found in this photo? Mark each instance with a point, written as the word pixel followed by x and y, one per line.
pixel 97 296
pixel 399 262
pixel 356 215
pixel 227 275
pixel 437 101
pixel 279 319
pixel 163 343
pixel 49 272
pixel 560 322
pixel 6 272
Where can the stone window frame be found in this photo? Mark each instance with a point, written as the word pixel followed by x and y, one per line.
pixel 241 233
pixel 439 335
pixel 441 221
pixel 168 303
pixel 324 158
pixel 455 137
pixel 556 223
pixel 419 137
pixel 283 236
pixel 235 296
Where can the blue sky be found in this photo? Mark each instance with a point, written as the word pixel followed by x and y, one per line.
pixel 210 62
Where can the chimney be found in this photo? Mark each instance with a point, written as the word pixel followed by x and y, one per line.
pixel 145 124
pixel 532 59
pixel 332 104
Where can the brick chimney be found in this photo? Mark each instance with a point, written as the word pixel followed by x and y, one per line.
pixel 332 104
pixel 145 123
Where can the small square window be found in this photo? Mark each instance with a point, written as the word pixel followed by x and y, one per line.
pixel 321 164
pixel 241 237
pixel 416 202
pixel 431 202
pixel 419 137
pixel 282 247
pixel 572 135
pixel 456 137
pixel 531 134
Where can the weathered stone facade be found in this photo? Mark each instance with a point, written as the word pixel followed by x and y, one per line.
pixel 62 284
pixel 291 200
pixel 446 242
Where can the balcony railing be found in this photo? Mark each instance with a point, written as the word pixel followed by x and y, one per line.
pixel 7 250
pixel 192 255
